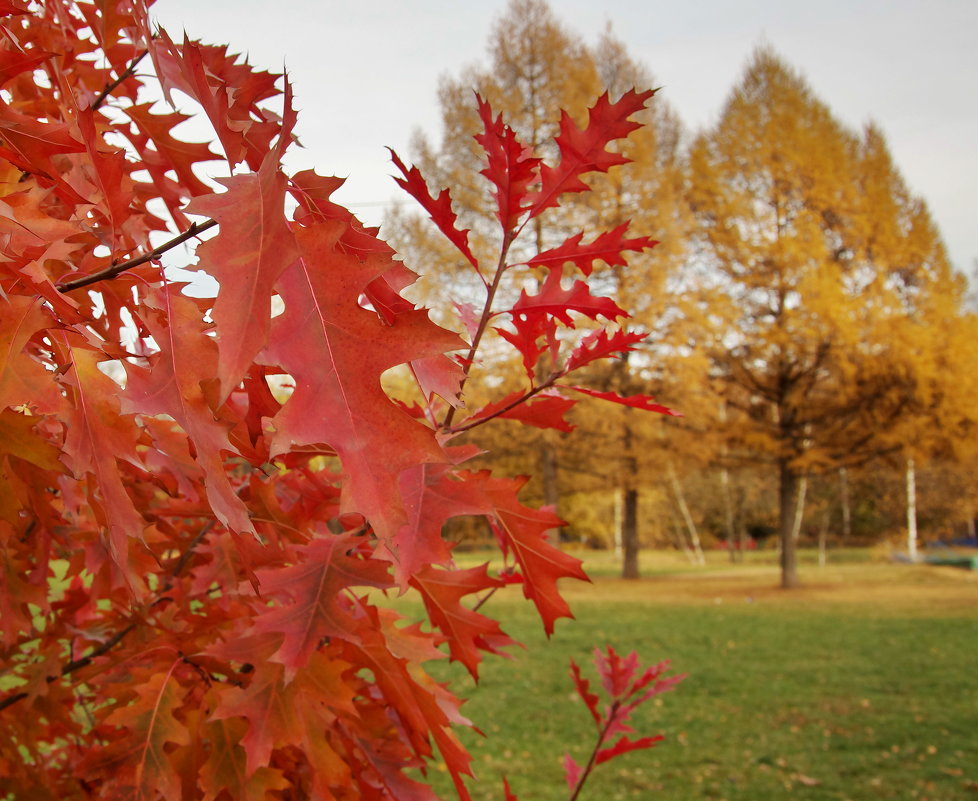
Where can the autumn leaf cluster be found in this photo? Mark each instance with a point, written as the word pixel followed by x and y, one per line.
pixel 204 500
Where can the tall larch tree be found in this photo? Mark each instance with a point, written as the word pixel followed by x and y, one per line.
pixel 803 306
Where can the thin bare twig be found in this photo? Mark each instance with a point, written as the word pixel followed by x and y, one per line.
pixel 115 269
pixel 126 73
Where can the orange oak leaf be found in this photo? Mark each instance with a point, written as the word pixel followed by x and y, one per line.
pixel 145 767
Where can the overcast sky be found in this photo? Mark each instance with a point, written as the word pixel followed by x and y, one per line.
pixel 365 74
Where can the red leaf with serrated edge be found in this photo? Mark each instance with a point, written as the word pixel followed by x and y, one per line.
pixel 558 302
pixel 635 401
pixel 439 209
pixel 511 167
pixel 522 532
pixel 624 745
pixel 582 150
pixel 228 91
pixel 31 144
pixel 616 672
pixel 14 61
pixel 150 725
pixel 336 351
pixel 601 344
pixel 432 495
pixel 23 379
pixel 609 247
pixel 590 699
pixel 312 596
pixel 439 375
pixel 545 410
pixel 530 329
pixel 98 435
pixel 423 711
pixel 173 386
pixel 280 712
pixel 171 153
pixel 466 632
pixel 251 250
pixel 509 795
pixel 225 766
pixel 572 771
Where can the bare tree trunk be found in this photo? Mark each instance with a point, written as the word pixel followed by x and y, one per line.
pixel 911 510
pixel 787 512
pixel 799 507
pixel 844 501
pixel 629 500
pixel 548 478
pixel 694 536
pixel 619 521
pixel 629 534
pixel 728 515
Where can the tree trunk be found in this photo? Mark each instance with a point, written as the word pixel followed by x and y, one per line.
pixel 629 533
pixel 728 515
pixel 548 478
pixel 799 507
pixel 694 536
pixel 619 521
pixel 787 509
pixel 823 533
pixel 911 510
pixel 844 501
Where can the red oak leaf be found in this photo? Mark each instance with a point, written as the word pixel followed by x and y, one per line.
pixel 511 167
pixel 336 351
pixel 635 401
pixel 609 247
pixel 522 532
pixel 624 745
pixel 467 632
pixel 147 769
pixel 440 208
pixel 225 766
pixel 600 344
pixel 173 385
pixel 312 596
pixel 251 250
pixel 554 300
pixel 583 150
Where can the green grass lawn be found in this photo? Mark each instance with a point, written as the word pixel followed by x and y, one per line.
pixel 862 685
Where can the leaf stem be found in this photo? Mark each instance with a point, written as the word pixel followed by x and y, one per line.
pixel 612 713
pixel 491 290
pixel 470 424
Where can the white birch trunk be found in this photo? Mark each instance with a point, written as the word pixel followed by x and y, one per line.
pixel 911 510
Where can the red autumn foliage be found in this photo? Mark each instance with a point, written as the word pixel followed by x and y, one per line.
pixel 202 500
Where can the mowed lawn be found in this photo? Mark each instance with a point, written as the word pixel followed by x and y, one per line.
pixel 861 685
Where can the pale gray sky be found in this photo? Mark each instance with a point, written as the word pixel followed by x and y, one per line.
pixel 365 74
